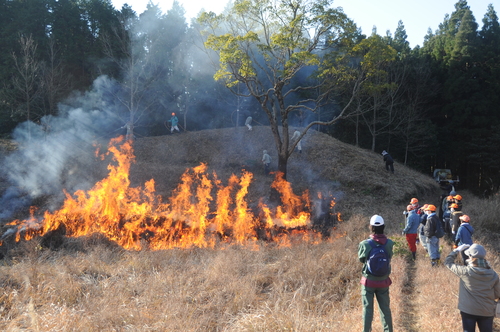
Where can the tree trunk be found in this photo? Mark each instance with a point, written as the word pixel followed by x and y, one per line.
pixel 282 164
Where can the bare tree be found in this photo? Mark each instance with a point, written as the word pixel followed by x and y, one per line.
pixel 28 81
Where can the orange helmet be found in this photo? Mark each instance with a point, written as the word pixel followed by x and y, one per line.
pixel 430 207
pixel 454 206
pixel 458 197
pixel 449 198
pixel 464 218
pixel 173 113
pixel 410 208
pixel 413 201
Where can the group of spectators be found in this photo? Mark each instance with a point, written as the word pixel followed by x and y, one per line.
pixel 479 287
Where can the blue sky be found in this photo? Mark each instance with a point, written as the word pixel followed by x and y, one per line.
pixel 417 16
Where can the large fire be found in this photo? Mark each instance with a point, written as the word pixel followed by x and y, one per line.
pixel 202 212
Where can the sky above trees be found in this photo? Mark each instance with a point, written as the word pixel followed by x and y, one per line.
pixel 417 16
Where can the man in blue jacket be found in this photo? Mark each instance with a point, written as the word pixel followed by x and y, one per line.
pixel 464 235
pixel 174 122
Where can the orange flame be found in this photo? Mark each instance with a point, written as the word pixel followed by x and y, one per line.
pixel 201 212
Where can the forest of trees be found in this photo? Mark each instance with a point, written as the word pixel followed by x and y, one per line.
pixel 435 106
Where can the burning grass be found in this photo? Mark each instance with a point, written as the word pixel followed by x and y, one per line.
pixel 202 212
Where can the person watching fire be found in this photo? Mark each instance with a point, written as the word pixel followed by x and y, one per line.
pixel 376 284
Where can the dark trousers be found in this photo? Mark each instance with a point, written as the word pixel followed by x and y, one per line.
pixel 389 166
pixel 485 324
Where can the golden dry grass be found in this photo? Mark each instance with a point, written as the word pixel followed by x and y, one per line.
pixel 94 286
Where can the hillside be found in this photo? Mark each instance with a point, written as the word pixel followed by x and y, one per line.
pixel 356 177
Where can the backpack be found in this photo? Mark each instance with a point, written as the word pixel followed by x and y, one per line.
pixel 439 230
pixel 378 260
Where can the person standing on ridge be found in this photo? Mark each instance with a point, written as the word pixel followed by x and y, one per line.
pixel 296 135
pixel 375 280
pixel 266 160
pixel 174 121
pixel 389 162
pixel 248 123
pixel 478 290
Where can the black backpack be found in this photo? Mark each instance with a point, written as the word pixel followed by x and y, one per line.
pixel 378 260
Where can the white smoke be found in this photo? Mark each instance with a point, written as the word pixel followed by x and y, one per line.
pixel 45 161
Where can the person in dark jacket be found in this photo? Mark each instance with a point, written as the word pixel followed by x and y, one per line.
pixel 389 162
pixel 478 290
pixel 464 235
pixel 371 285
pixel 430 230
pixel 455 218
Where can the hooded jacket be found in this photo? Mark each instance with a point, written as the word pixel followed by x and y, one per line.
pixel 464 234
pixel 479 287
pixel 364 249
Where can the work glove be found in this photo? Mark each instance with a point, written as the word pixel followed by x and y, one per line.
pixel 453 232
pixel 403 233
pixel 461 247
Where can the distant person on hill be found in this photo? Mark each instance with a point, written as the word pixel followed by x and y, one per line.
pixel 430 231
pixel 174 121
pixel 389 162
pixel 296 135
pixel 248 123
pixel 464 235
pixel 375 280
pixel 412 223
pixel 266 160
pixel 478 290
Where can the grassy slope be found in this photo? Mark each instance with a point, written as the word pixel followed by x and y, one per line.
pixel 302 288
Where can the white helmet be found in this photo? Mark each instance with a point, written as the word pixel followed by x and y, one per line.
pixel 376 220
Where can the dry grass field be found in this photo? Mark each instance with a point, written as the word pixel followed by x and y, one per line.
pixel 91 284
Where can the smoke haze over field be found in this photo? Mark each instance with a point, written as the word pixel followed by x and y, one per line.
pixel 43 163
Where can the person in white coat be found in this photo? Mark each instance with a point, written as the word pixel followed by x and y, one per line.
pixel 296 135
pixel 266 160
pixel 248 123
